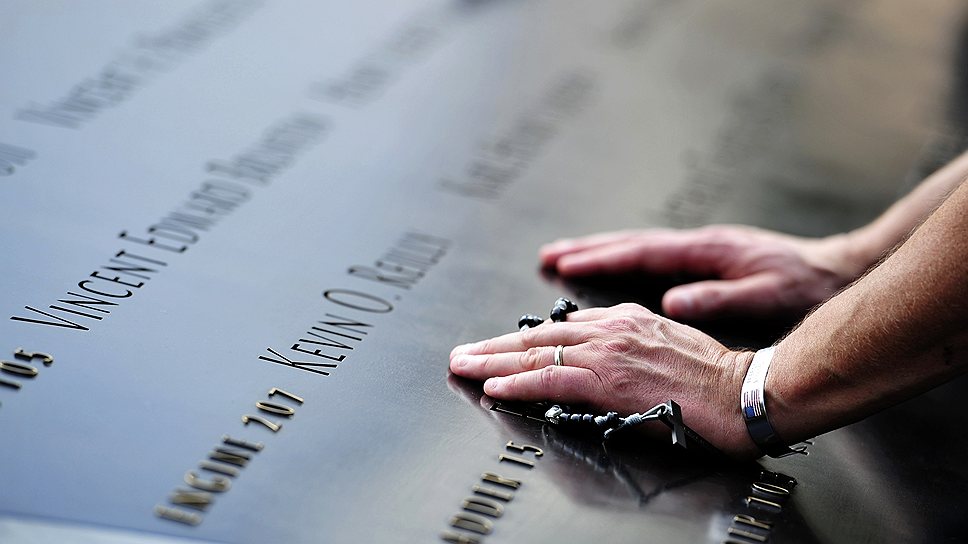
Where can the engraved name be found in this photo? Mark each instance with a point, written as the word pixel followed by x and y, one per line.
pixel 224 463
pixel 764 503
pixel 149 250
pixel 13 157
pixel 328 342
pixel 145 58
pixel 490 495
pixel 505 159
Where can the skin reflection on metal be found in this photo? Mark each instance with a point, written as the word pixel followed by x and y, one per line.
pixel 600 471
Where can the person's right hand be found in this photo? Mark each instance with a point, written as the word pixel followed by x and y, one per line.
pixel 754 272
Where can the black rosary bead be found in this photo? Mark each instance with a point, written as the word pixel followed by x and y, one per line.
pixel 562 308
pixel 528 321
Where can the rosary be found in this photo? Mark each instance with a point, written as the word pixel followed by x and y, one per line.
pixel 668 412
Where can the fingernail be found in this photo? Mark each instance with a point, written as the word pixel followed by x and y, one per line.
pixel 458 362
pixel 459 350
pixel 568 262
pixel 492 385
pixel 683 304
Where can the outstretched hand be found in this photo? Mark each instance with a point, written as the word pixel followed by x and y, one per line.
pixel 754 272
pixel 624 359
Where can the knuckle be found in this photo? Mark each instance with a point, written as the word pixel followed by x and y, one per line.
pixel 531 336
pixel 486 362
pixel 622 324
pixel 619 380
pixel 485 346
pixel 615 344
pixel 548 378
pixel 629 307
pixel 713 232
pixel 531 358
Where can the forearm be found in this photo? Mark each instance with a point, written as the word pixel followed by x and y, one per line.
pixel 898 331
pixel 869 243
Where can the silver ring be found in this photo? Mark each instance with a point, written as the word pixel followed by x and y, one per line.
pixel 560 355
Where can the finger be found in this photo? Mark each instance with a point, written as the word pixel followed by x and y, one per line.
pixel 549 334
pixel 753 295
pixel 596 314
pixel 700 251
pixel 550 253
pixel 567 384
pixel 614 258
pixel 481 367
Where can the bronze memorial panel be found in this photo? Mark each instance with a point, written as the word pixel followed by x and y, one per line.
pixel 241 237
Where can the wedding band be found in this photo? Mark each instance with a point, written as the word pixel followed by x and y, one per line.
pixel 560 355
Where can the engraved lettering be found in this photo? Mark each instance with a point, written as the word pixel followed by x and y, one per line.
pixel 398 268
pixel 131 269
pixel 75 312
pixel 216 207
pixel 763 503
pixel 500 480
pixel 273 408
pixel 179 515
pixel 746 534
pixel 770 489
pixel 221 469
pixel 276 390
pixel 538 452
pixel 274 427
pixel 369 273
pixel 18 369
pixel 83 285
pixel 483 506
pixel 10 384
pixel 328 341
pixel 124 253
pixel 61 322
pixel 472 523
pixel 347 324
pixel 301 365
pixel 217 484
pixel 363 302
pixel 199 500
pixel 455 538
pixel 251 446
pixel 173 232
pixel 319 352
pixel 202 495
pixel 232 457
pixel 502 495
pixel 87 304
pixel 518 460
pixel 746 519
pixel 45 358
pixel 151 242
pixel 410 260
pixel 12 156
pixel 117 279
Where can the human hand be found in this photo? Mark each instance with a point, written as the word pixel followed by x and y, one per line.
pixel 755 272
pixel 624 359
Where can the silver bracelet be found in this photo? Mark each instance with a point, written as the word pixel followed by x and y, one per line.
pixel 753 402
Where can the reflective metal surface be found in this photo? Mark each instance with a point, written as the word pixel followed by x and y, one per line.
pixel 248 235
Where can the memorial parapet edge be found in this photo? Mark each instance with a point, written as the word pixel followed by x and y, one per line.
pixel 242 237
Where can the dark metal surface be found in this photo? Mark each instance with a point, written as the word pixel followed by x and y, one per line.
pixel 390 169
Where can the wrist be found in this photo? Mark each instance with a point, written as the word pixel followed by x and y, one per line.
pixel 753 400
pixel 850 254
pixel 736 440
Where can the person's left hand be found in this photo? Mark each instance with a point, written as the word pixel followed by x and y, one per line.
pixel 624 359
